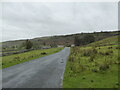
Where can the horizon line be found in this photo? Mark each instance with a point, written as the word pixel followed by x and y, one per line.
pixel 57 35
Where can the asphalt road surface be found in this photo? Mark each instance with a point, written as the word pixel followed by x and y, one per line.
pixel 45 72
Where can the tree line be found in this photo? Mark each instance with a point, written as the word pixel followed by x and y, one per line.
pixel 77 41
pixel 84 40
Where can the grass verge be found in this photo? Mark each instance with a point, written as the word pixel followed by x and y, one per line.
pixel 11 60
pixel 92 67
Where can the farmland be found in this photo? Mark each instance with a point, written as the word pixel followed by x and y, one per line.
pixel 14 59
pixel 94 65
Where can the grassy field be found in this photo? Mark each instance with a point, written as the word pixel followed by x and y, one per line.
pixel 107 41
pixel 11 60
pixel 93 67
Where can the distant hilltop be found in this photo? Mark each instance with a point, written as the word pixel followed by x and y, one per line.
pixel 65 40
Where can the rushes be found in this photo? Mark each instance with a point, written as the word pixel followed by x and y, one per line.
pixel 86 59
pixel 92 67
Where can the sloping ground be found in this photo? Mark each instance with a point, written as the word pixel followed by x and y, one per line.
pixel 107 41
pixel 59 40
pixel 93 66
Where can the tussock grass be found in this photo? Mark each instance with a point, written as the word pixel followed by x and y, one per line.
pixel 93 66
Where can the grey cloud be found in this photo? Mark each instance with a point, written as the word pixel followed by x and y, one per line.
pixel 28 20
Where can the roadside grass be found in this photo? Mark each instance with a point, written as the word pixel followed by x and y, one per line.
pixel 92 67
pixel 11 60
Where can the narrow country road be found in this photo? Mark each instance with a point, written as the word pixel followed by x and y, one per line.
pixel 45 72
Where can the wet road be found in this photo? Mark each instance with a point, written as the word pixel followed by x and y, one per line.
pixel 45 72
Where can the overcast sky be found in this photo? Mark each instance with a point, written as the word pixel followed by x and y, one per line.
pixel 30 20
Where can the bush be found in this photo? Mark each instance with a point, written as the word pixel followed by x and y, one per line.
pixel 84 40
pixel 118 47
pixel 3 63
pixel 92 81
pixel 28 44
pixel 53 45
pixel 16 58
pixel 94 70
pixel 75 50
pixel 88 39
pixel 87 52
pixel 90 52
pixel 83 68
pixel 106 53
pixel 109 47
pixel 92 58
pixel 109 62
pixel 104 67
pixel 94 51
pixel 43 53
pixel 71 59
pixel 77 41
pixel 101 53
pixel 83 77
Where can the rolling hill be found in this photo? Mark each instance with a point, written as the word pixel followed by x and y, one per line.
pixel 107 41
pixel 57 40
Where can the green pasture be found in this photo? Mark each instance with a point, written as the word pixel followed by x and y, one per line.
pixel 11 60
pixel 93 66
